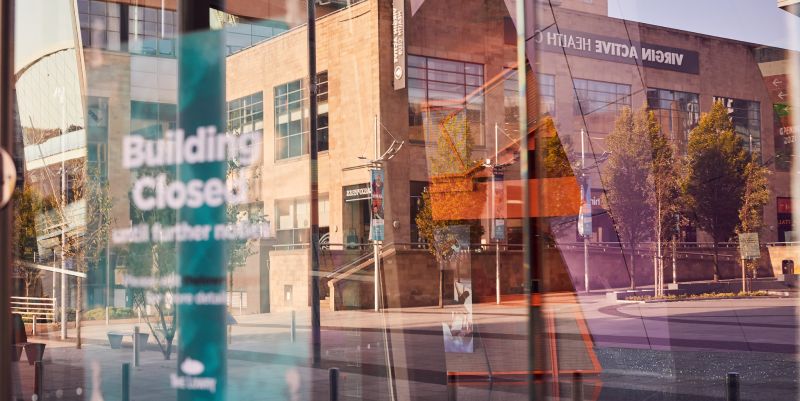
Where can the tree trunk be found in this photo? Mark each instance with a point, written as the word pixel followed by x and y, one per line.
pixel 633 267
pixel 716 262
pixel 441 285
pixel 78 310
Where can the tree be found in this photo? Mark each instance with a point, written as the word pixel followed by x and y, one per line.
pixel 629 179
pixel 716 176
pixel 665 199
pixel 28 206
pixel 756 194
pixel 555 158
pixel 451 168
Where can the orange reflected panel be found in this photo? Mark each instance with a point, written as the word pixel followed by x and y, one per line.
pixel 457 197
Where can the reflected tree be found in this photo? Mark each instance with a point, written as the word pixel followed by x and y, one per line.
pixel 716 177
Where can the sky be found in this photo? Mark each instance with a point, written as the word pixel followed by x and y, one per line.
pixel 753 21
pixel 41 26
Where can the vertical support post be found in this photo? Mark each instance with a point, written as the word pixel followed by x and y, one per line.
pixel 135 346
pixel 38 379
pixel 333 378
pixel 377 257
pixel 375 244
pixel 34 325
pixel 294 328
pixel 63 206
pixel 126 382
pixel 494 217
pixel 732 386
pixel 316 342
pixel 577 387
pixel 587 198
pixel 6 213
pixel 744 276
pixel 586 263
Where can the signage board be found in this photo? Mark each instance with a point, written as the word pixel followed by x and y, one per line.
pixel 376 211
pixel 353 193
pixel 748 246
pixel 618 50
pixel 399 43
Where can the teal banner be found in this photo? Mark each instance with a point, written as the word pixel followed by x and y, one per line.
pixel 202 165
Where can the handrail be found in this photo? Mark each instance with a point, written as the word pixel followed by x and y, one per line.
pixel 33 307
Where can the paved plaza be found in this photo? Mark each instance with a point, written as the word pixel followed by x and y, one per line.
pixel 674 350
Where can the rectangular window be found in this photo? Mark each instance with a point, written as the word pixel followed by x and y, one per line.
pixel 293 219
pixel 547 98
pixel 241 33
pixel 438 88
pixel 291 124
pixel 152 32
pixel 746 119
pixel 322 111
pixel 100 25
pixel 547 94
pixel 599 103
pixel 246 114
pixel 677 113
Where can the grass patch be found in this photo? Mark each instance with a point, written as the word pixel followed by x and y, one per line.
pixel 113 313
pixel 689 297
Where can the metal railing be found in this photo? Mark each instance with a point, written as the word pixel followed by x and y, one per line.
pixel 43 309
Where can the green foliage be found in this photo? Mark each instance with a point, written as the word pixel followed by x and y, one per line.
pixel 715 179
pixel 453 147
pixel 628 175
pixel 555 159
pixel 113 313
pixel 28 205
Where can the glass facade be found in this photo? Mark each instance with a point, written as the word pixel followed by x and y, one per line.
pixel 399 200
pixel 677 112
pixel 438 88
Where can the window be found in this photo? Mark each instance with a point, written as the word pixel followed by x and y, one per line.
pixel 241 34
pixel 246 114
pixel 97 135
pixel 597 96
pixel 677 113
pixel 746 119
pixel 291 130
pixel 322 111
pixel 293 219
pixel 291 122
pixel 437 88
pixel 151 31
pixel 547 94
pixel 547 98
pixel 599 103
pixel 100 24
pixel 152 120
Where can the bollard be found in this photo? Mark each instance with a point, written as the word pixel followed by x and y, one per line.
pixel 294 328
pixel 577 387
pixel 38 380
pixel 732 382
pixel 126 382
pixel 333 375
pixel 136 346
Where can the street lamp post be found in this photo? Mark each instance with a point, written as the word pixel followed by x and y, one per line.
pixel 584 225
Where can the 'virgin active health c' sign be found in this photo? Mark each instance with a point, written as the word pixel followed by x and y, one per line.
pixel 618 50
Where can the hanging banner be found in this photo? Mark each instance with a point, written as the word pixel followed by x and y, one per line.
pixel 585 216
pixel 376 228
pixel 399 43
